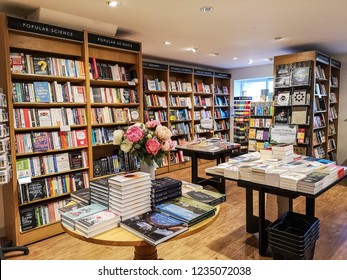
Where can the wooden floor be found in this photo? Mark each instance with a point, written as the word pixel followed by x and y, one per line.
pixel 225 239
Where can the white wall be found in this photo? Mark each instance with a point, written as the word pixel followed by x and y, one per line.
pixel 342 124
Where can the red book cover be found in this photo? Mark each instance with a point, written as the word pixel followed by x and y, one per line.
pixel 81 137
pixel 94 68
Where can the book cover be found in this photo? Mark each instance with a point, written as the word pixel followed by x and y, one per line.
pixel 283 98
pixel 36 190
pixel 154 227
pixel 70 207
pixel 283 75
pixel 299 115
pixel 205 196
pixel 81 137
pixel 83 212
pixel 40 65
pixel 186 209
pixel 165 183
pixel 301 76
pixel 44 117
pixel 282 115
pixel 299 97
pixel 98 219
pixel 27 218
pixel 40 141
pixel 75 159
pixel 42 91
pixel 129 178
pixel 23 167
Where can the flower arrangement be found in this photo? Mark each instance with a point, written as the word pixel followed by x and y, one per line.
pixel 149 141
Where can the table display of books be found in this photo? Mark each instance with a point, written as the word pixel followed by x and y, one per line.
pixel 129 194
pixel 154 227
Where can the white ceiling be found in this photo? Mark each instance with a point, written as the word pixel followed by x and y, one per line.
pixel 235 28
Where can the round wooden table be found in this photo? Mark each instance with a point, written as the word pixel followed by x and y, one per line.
pixel 143 250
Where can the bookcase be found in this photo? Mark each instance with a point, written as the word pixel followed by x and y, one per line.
pixel 66 92
pixel 242 113
pixel 155 90
pixel 261 115
pixel 305 95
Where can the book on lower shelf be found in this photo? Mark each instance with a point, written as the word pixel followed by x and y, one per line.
pixel 154 227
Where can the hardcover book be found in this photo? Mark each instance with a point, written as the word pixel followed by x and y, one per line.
pixel 27 218
pixel 98 219
pixel 129 178
pixel 299 97
pixel 205 196
pixel 154 227
pixel 40 65
pixel 165 183
pixel 283 98
pixel 36 190
pixel 301 76
pixel 40 141
pixel 83 212
pixel 42 91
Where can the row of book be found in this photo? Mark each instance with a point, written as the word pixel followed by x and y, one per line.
pixel 106 71
pixel 259 134
pixel 180 115
pixel 221 125
pixel 221 113
pixel 221 135
pixel 113 95
pixel 22 63
pixel 35 216
pixel 293 97
pixel 102 115
pixel 159 115
pixel 256 145
pixel 221 101
pixel 260 122
pixel 181 128
pixel 198 115
pixel 332 113
pixel 38 141
pixel 51 163
pixel 154 85
pixel 45 92
pixel 34 117
pixel 178 86
pixel 294 74
pixel 262 109
pixel 155 100
pixel 39 189
pixel 180 101
pixel 200 101
pixel 199 129
pixel 114 164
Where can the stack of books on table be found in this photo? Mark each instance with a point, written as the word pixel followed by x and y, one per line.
pixel 164 189
pixel 81 196
pixel 68 219
pixel 99 191
pixel 245 170
pixel 129 194
pixel 232 172
pixel 289 180
pixel 202 195
pixel 97 223
pixel 186 209
pixel 272 177
pixel 285 152
pixel 312 183
pixel 154 227
pixel 70 207
pixel 259 171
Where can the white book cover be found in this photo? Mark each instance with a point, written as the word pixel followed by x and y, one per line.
pixel 44 116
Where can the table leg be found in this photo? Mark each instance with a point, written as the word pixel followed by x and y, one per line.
pixel 146 253
pixel 251 220
pixel 263 239
pixel 310 206
pixel 194 169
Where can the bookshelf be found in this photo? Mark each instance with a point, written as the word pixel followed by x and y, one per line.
pixel 155 89
pixel 302 96
pixel 221 92
pixel 261 115
pixel 242 112
pixel 61 116
pixel 203 102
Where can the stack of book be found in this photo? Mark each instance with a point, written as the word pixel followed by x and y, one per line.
pixel 313 183
pixel 284 152
pixel 187 210
pixel 97 223
pixel 154 227
pixel 99 191
pixel 289 180
pixel 272 177
pixel 232 172
pixel 164 189
pixel 259 171
pixel 245 170
pixel 81 196
pixel 202 195
pixel 129 194
pixel 68 219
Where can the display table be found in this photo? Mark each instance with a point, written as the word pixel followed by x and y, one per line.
pixel 219 154
pixel 143 250
pixel 259 224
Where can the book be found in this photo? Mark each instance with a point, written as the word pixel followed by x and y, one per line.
pixel 283 98
pixel 36 190
pixel 81 137
pixel 40 65
pixel 27 218
pixel 282 115
pixel 97 220
pixel 129 178
pixel 299 115
pixel 42 92
pixel 81 195
pixel 186 209
pixel 205 196
pixel 70 207
pixel 44 117
pixel 75 159
pixel 301 76
pixel 154 227
pixel 165 183
pixel 40 141
pixel 299 97
pixel 84 211
pixel 283 75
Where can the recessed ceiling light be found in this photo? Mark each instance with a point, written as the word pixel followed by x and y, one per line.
pixel 250 61
pixel 194 50
pixel 167 43
pixel 113 3
pixel 206 9
pixel 277 38
pixel 214 54
pixel 234 58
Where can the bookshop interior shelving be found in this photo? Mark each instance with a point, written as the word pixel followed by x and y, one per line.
pixel 306 94
pixel 182 97
pixel 67 92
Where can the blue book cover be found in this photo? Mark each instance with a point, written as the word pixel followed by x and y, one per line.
pixel 42 91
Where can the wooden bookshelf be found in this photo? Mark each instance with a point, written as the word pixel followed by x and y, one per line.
pixel 313 95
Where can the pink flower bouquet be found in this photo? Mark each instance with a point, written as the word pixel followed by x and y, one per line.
pixel 149 141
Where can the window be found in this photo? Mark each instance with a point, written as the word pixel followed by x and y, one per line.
pixel 254 88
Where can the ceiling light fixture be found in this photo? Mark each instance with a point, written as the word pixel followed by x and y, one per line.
pixel 167 43
pixel 235 58
pixel 250 61
pixel 277 38
pixel 194 50
pixel 214 54
pixel 113 3
pixel 206 9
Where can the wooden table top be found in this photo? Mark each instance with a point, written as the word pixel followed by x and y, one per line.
pixel 121 237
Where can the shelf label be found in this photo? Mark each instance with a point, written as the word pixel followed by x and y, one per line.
pixel 114 42
pixel 181 69
pixel 65 128
pixel 203 72
pixel 45 29
pixel 152 65
pixel 335 63
pixel 131 84
pixel 222 75
pixel 322 58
